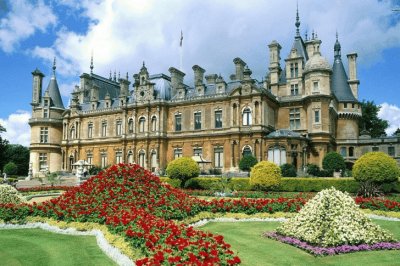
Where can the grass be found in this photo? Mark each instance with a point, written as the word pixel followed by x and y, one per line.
pixel 254 250
pixel 38 247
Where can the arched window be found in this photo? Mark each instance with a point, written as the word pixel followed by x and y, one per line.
pixel 142 122
pixel 351 151
pixel 234 116
pixel 247 119
pixel 72 133
pixel 154 123
pixel 153 161
pixel 247 151
pixel 130 157
pixel 130 125
pixel 142 157
pixel 277 155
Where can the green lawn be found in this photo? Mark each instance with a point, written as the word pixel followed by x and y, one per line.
pixel 38 247
pixel 254 250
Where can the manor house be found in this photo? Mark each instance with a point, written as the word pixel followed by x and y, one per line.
pixel 303 109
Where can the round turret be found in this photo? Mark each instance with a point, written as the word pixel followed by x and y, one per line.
pixel 317 62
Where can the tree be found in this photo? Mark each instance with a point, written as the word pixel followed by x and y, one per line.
pixel 397 132
pixel 10 168
pixel 19 155
pixel 183 168
pixel 247 162
pixel 370 120
pixel 333 162
pixel 3 146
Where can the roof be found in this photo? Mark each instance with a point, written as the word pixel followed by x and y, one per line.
pixel 299 45
pixel 317 62
pixel 284 133
pixel 54 93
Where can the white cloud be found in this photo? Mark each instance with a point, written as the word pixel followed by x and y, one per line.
pixel 23 20
pixel 391 113
pixel 18 130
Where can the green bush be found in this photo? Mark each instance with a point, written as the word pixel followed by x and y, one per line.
pixel 376 167
pixel 173 182
pixel 247 162
pixel 265 175
pixel 333 162
pixel 313 169
pixel 94 170
pixel 288 170
pixel 183 168
pixel 10 168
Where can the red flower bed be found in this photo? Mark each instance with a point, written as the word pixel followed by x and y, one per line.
pixel 47 188
pixel 378 204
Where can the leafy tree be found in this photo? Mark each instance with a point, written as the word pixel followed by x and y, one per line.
pixel 370 120
pixel 333 162
pixel 247 162
pixel 397 132
pixel 3 146
pixel 10 168
pixel 288 170
pixel 19 155
pixel 183 168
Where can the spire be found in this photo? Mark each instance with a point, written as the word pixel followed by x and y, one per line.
pixel 91 64
pixel 115 75
pixel 54 68
pixel 337 48
pixel 297 24
pixel 53 91
pixel 127 76
pixel 110 78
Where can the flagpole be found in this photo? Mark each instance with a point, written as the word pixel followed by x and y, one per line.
pixel 181 53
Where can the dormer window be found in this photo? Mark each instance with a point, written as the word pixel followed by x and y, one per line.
pixel 46 102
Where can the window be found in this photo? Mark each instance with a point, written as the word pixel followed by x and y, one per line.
pixel 345 105
pixel 218 157
pixel 90 130
pixel 89 158
pixel 130 157
pixel 343 151
pixel 294 70
pixel 294 118
pixel 391 151
pixel 46 102
pixel 375 148
pixel 118 157
pixel 130 125
pixel 218 119
pixel 294 89
pixel 351 151
pixel 104 160
pixel 44 135
pixel 142 155
pixel 247 151
pixel 277 155
pixel 315 86
pixel 316 116
pixel 43 162
pixel 178 122
pixel 198 151
pixel 45 113
pixel 142 121
pixel 104 129
pixel 72 132
pixel 153 161
pixel 119 128
pixel 197 120
pixel 177 153
pixel 154 123
pixel 247 119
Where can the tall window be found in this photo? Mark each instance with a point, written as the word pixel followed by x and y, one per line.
pixel 153 161
pixel 197 120
pixel 247 119
pixel 142 122
pixel 294 118
pixel 198 151
pixel 391 151
pixel 118 157
pixel 104 129
pixel 42 161
pixel 351 151
pixel 178 122
pixel 45 113
pixel 104 162
pixel 130 157
pixel 343 151
pixel 44 135
pixel 218 157
pixel 72 133
pixel 294 89
pixel 130 125
pixel 277 155
pixel 90 130
pixel 177 153
pixel 315 86
pixel 316 116
pixel 154 123
pixel 142 155
pixel 89 157
pixel 119 128
pixel 247 151
pixel 294 70
pixel 218 119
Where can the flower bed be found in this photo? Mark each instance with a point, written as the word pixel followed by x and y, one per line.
pixel 323 251
pixel 378 204
pixel 43 188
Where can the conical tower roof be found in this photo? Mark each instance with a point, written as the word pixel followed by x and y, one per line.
pixel 54 91
pixel 298 43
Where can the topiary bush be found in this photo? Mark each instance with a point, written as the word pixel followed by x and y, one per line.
pixel 265 175
pixel 333 162
pixel 10 168
pixel 288 170
pixel 247 162
pixel 373 170
pixel 183 168
pixel 9 194
pixel 313 169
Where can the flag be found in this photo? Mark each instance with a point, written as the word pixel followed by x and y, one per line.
pixel 180 44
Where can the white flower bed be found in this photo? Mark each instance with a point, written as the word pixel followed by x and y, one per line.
pixel 9 194
pixel 108 249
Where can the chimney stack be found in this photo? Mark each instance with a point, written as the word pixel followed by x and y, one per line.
pixel 239 67
pixel 176 79
pixel 198 75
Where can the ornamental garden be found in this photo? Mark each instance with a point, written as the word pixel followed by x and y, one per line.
pixel 163 221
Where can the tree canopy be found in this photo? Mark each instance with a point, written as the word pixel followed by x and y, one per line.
pixel 397 132
pixel 370 120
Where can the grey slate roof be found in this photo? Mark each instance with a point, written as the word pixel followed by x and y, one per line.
pixel 54 93
pixel 299 45
pixel 284 133
pixel 106 86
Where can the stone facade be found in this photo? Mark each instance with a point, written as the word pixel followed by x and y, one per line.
pixel 297 114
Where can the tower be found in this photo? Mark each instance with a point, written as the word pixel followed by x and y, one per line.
pixel 46 126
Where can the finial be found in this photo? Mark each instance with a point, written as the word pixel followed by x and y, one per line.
pixel 54 67
pixel 306 36
pixel 127 76
pixel 316 35
pixel 115 75
pixel 297 24
pixel 143 64
pixel 119 75
pixel 91 64
pixel 110 78
pixel 337 36
pixel 312 35
pixel 337 47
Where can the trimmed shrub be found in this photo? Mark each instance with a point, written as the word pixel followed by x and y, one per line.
pixel 176 183
pixel 247 162
pixel 377 167
pixel 10 168
pixel 315 184
pixel 265 175
pixel 333 162
pixel 313 169
pixel 9 194
pixel 288 170
pixel 183 168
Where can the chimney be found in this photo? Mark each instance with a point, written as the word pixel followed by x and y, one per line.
pixel 176 79
pixel 124 87
pixel 353 81
pixel 198 75
pixel 239 67
pixel 211 78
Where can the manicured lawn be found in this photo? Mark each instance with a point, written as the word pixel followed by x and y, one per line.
pixel 254 250
pixel 38 247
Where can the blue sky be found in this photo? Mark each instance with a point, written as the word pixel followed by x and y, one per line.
pixel 122 34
